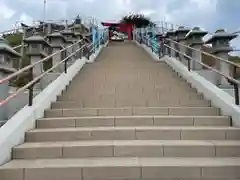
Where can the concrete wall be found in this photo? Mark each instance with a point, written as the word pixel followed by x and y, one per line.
pixel 18 102
pixel 209 75
pixel 21 99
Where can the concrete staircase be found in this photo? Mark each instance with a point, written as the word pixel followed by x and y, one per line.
pixel 126 117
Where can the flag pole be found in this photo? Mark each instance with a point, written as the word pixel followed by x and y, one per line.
pixel 44 10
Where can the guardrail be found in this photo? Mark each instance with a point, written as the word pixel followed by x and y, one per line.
pixel 85 21
pixel 29 27
pixel 80 50
pixel 164 49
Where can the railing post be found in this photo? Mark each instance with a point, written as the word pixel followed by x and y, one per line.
pixel 65 66
pixel 88 53
pixel 30 88
pixel 159 52
pixel 30 95
pixel 189 64
pixel 235 86
pixel 236 93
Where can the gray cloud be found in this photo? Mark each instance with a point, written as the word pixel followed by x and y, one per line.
pixel 210 14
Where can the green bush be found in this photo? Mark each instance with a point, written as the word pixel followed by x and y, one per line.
pixel 14 39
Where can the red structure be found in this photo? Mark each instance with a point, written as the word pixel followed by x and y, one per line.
pixel 120 28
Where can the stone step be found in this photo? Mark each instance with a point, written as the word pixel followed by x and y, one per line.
pixel 118 91
pixel 106 103
pixel 132 95
pixel 131 148
pixel 134 133
pixel 179 111
pixel 95 121
pixel 122 169
pixel 98 87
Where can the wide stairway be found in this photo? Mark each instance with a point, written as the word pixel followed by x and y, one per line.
pixel 127 117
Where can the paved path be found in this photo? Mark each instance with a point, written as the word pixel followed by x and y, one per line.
pixel 125 75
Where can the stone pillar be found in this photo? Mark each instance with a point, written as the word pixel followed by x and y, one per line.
pixel 70 39
pixel 6 55
pixel 159 42
pixel 79 45
pixel 56 59
pixel 221 47
pixel 49 28
pixel 4 89
pixel 57 42
pixel 180 34
pixel 194 39
pixel 66 25
pixel 171 35
pixel 22 49
pixel 37 49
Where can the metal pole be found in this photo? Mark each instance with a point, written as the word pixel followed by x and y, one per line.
pixel 44 10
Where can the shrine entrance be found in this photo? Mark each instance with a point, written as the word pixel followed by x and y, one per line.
pixel 119 27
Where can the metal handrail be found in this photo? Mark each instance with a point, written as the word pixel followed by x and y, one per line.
pixel 232 80
pixel 18 46
pixel 32 65
pixel 203 52
pixel 208 54
pixel 205 65
pixel 35 80
pixel 30 84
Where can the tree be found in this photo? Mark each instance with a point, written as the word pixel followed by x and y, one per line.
pixel 139 20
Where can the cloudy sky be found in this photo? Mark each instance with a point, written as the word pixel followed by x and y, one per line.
pixel 208 14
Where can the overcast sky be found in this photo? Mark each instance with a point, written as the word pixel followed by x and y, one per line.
pixel 208 14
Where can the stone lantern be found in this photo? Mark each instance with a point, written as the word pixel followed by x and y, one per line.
pixel 37 49
pixel 70 39
pixel 180 34
pixel 69 36
pixel 221 47
pixel 79 37
pixel 171 35
pixel 57 42
pixel 6 55
pixel 78 25
pixel 194 39
pixel 159 40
